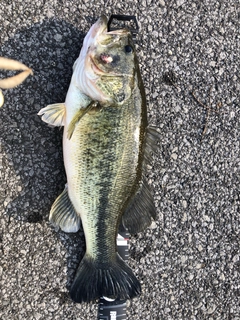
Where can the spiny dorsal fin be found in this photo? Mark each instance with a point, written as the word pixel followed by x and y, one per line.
pixel 53 114
pixel 151 146
pixel 63 214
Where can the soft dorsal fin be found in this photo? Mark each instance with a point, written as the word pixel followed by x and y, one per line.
pixel 53 114
pixel 140 210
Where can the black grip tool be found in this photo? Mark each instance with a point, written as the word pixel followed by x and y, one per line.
pixel 124 21
pixel 109 309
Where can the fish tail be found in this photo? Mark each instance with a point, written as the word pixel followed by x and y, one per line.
pixel 113 279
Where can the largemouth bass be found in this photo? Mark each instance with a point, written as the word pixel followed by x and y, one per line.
pixel 106 145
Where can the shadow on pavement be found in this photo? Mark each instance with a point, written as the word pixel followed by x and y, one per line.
pixel 32 164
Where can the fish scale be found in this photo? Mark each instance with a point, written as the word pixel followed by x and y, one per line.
pixel 102 183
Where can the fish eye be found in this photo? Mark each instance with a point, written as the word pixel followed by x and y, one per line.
pixel 128 49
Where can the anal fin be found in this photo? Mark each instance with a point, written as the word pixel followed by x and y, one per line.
pixel 63 214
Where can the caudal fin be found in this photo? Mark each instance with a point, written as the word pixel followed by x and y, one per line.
pixel 113 280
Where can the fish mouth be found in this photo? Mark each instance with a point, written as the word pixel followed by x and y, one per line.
pixel 101 25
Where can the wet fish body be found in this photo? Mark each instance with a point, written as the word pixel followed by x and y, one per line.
pixel 106 145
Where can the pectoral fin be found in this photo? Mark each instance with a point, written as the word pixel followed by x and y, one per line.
pixel 77 118
pixel 63 214
pixel 53 114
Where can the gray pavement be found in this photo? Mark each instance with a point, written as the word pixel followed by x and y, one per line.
pixel 188 260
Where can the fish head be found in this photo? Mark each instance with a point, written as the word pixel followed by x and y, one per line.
pixel 107 63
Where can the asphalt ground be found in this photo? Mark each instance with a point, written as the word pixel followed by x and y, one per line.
pixel 188 260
